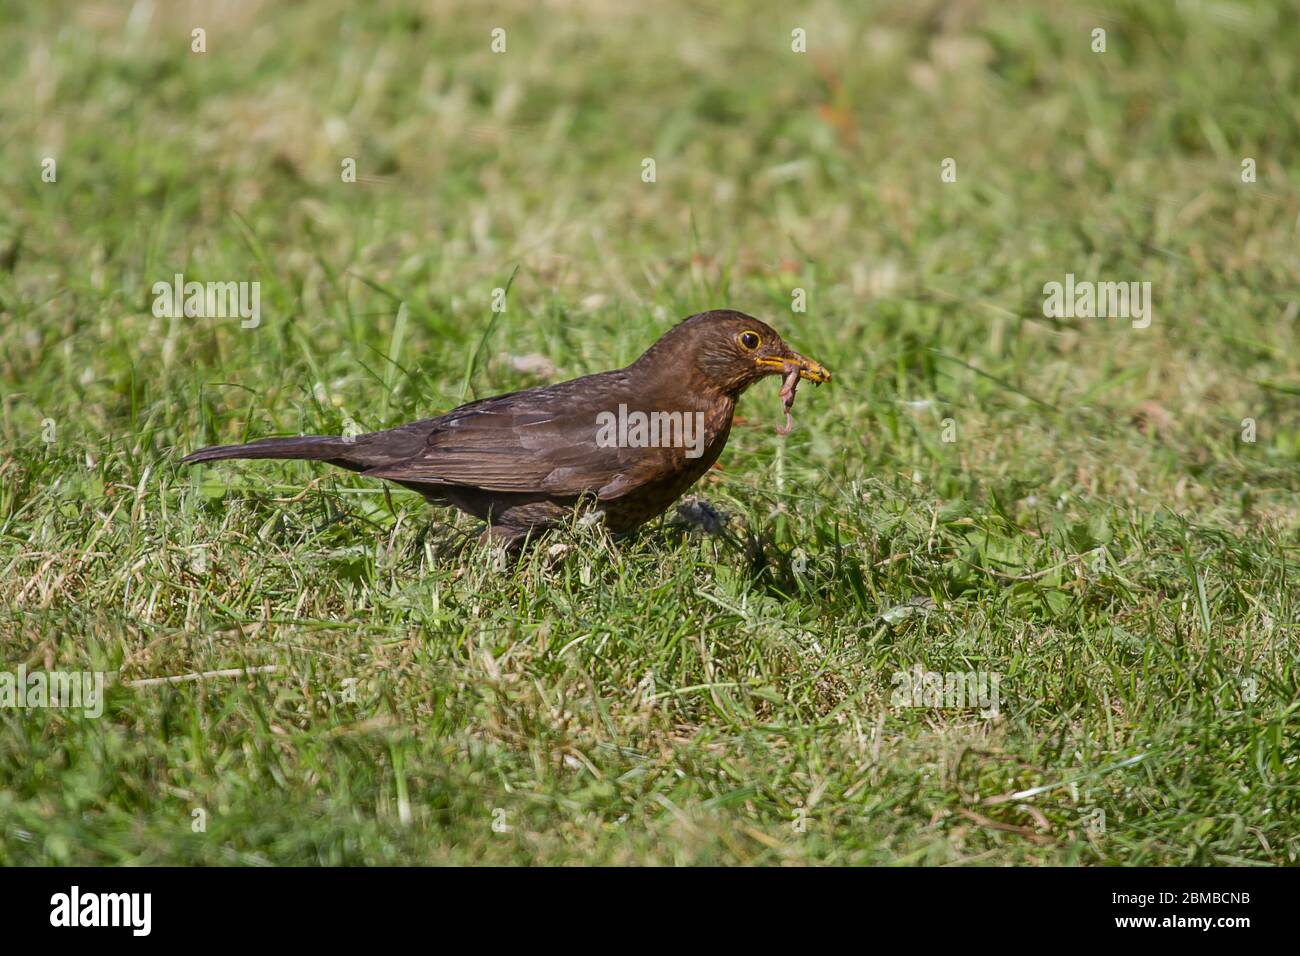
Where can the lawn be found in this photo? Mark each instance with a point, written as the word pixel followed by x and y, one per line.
pixel 1097 518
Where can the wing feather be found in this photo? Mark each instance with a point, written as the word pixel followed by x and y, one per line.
pixel 544 444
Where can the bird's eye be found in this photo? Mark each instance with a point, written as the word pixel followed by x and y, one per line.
pixel 750 340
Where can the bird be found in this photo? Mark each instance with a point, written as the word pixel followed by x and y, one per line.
pixel 622 444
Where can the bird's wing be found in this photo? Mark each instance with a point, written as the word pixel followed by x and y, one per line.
pixel 538 441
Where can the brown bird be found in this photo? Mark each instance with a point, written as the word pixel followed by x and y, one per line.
pixel 625 443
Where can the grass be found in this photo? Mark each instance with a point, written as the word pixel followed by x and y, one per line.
pixel 1098 533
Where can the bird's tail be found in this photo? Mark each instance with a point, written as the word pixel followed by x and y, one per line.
pixel 329 448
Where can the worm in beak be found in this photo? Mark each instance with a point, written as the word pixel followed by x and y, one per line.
pixel 793 369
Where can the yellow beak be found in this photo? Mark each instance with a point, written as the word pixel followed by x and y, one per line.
pixel 813 371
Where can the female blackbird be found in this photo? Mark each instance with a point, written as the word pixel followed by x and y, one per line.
pixel 625 443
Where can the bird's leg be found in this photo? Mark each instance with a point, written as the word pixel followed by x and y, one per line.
pixel 511 539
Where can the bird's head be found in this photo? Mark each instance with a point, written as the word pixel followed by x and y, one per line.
pixel 730 351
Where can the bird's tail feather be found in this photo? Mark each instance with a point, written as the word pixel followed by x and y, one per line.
pixel 307 447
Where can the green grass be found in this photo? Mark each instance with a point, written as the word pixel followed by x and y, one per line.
pixel 1098 534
